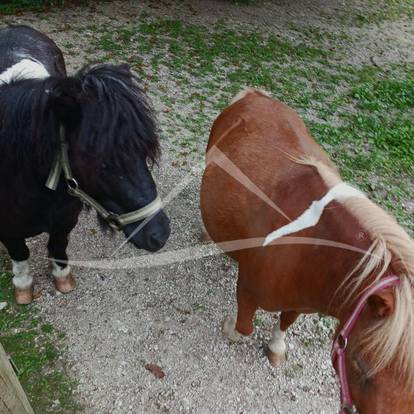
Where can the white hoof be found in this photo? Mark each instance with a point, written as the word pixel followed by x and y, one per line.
pixel 276 351
pixel 274 358
pixel 229 329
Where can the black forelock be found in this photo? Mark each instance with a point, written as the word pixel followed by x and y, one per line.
pixel 117 124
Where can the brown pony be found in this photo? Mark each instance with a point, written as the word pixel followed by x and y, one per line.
pixel 268 182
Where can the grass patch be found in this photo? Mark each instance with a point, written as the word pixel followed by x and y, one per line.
pixel 385 10
pixel 386 94
pixel 374 143
pixel 243 2
pixel 372 12
pixel 360 116
pixel 20 6
pixel 33 347
pixel 16 6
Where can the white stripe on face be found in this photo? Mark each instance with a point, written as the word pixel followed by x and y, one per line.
pixel 25 69
pixel 21 272
pixel 313 214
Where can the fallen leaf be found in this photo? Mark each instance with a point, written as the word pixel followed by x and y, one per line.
pixel 155 370
pixel 183 311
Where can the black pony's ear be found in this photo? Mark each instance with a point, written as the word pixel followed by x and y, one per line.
pixel 65 100
pixel 125 67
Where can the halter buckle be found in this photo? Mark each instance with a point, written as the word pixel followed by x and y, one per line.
pixel 113 221
pixel 72 185
pixel 342 342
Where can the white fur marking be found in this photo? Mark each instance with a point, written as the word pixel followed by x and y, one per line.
pixel 277 343
pixel 25 69
pixel 229 329
pixel 59 272
pixel 313 214
pixel 246 92
pixel 21 272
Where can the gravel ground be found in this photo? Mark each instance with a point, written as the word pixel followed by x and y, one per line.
pixel 118 321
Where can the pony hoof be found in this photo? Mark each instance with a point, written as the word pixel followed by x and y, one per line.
pixel 275 359
pixel 23 296
pixel 65 284
pixel 229 329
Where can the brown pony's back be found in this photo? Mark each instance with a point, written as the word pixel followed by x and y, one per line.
pixel 259 134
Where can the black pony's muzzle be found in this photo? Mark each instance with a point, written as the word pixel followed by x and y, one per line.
pixel 151 236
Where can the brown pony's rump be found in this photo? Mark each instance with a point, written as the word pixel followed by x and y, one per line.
pixel 264 171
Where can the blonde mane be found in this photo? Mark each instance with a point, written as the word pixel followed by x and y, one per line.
pixel 391 339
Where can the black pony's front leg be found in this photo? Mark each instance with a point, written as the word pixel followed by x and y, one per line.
pixel 58 242
pixel 22 279
pixel 61 271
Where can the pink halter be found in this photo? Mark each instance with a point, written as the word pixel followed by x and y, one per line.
pixel 341 341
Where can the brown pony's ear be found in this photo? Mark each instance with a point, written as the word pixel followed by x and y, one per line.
pixel 382 304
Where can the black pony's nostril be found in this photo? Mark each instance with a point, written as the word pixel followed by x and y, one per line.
pixel 156 240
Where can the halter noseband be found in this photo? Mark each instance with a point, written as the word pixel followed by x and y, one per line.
pixel 116 221
pixel 341 341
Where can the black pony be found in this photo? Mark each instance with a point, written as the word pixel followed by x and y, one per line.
pixel 102 118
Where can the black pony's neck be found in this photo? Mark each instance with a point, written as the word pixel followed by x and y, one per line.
pixel 29 133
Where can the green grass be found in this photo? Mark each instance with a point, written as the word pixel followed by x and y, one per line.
pixel 374 12
pixel 243 2
pixel 385 10
pixel 362 117
pixel 20 6
pixel 33 347
pixel 374 143
pixel 16 6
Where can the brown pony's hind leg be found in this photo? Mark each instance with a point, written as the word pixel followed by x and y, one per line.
pixel 234 328
pixel 276 351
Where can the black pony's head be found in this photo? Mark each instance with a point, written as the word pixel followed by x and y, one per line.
pixel 112 139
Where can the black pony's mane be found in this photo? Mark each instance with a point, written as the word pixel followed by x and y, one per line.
pixel 23 138
pixel 112 121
